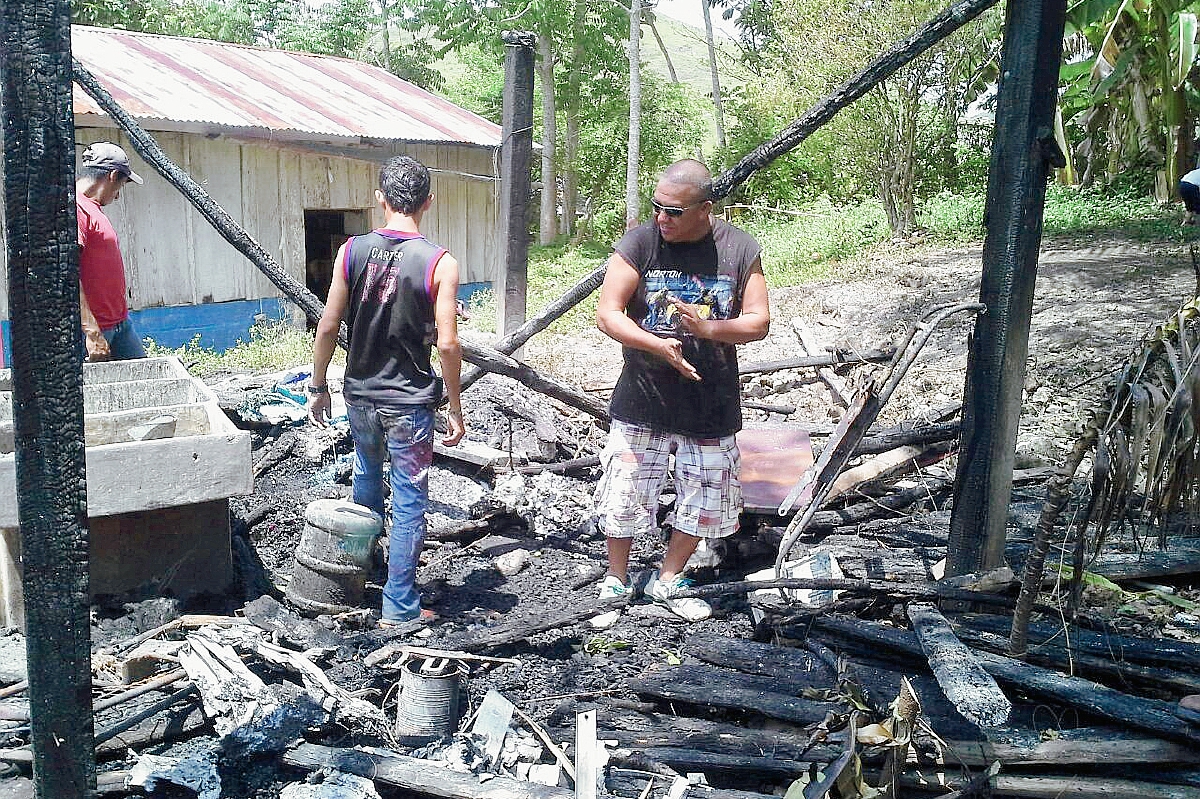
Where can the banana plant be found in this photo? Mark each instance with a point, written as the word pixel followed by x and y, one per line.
pixel 1129 97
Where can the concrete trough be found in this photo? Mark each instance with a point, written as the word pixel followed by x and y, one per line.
pixel 162 461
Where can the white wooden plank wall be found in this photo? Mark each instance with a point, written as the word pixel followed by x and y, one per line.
pixel 174 257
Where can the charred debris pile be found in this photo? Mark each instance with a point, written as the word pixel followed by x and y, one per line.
pixel 840 661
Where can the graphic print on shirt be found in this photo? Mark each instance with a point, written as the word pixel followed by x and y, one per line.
pixel 709 297
pixel 381 277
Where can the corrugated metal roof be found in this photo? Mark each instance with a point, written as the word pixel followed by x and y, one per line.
pixel 220 87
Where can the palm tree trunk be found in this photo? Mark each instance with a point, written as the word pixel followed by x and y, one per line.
pixel 716 80
pixel 632 205
pixel 548 221
pixel 47 389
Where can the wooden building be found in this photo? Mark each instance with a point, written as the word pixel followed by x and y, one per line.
pixel 290 145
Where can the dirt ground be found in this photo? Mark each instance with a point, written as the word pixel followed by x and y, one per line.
pixel 1094 300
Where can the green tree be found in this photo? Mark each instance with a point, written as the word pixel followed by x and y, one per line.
pixel 896 142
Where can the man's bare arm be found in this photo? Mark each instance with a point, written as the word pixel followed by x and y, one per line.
pixel 445 310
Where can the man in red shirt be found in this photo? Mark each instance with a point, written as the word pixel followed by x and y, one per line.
pixel 103 306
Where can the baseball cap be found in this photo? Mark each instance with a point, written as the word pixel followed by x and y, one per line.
pixel 107 155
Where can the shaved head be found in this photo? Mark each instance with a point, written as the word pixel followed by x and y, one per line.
pixel 692 174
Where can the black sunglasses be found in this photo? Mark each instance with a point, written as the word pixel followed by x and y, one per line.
pixel 672 210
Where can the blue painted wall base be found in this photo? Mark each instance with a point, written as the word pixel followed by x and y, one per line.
pixel 219 325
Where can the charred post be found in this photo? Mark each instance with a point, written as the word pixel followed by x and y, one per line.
pixel 516 155
pixel 1023 153
pixel 43 296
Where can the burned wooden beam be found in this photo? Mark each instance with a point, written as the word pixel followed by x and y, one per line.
pixel 1099 700
pixel 1082 746
pixel 516 154
pixel 972 690
pixel 41 232
pixel 513 341
pixel 1024 152
pixel 639 731
pixel 731 692
pixel 425 777
pixel 521 628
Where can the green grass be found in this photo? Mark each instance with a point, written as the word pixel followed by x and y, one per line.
pixel 815 244
pixel 959 217
pixel 271 347
pixel 812 245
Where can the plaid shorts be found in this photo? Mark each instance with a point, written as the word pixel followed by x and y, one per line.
pixel 635 461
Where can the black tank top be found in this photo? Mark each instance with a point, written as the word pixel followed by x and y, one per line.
pixel 710 275
pixel 390 317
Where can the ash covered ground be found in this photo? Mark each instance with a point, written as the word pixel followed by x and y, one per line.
pixel 530 547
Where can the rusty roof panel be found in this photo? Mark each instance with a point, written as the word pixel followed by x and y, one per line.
pixel 247 89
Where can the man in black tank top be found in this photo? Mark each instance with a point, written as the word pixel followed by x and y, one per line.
pixel 680 291
pixel 398 295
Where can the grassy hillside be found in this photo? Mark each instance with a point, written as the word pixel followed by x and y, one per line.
pixel 689 54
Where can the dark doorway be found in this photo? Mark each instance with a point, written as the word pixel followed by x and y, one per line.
pixel 324 233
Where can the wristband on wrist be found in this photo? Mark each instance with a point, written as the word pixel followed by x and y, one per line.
pixel 316 391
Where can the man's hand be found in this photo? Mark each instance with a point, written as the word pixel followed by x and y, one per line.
pixel 671 350
pixel 97 345
pixel 318 410
pixel 455 428
pixel 690 321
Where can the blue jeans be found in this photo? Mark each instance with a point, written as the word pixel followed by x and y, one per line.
pixel 124 342
pixel 402 435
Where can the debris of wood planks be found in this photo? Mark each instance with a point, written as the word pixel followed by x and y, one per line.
pixel 475 453
pixel 893 463
pixel 1145 651
pixel 638 730
pixel 1110 670
pixel 810 347
pixel 733 692
pixel 589 757
pixel 424 777
pixel 521 628
pixel 972 690
pixel 1078 747
pixel 809 361
pixel 1145 714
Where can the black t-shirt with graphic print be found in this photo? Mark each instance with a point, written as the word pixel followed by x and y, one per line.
pixel 709 274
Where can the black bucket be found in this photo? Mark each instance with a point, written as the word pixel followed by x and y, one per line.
pixel 330 570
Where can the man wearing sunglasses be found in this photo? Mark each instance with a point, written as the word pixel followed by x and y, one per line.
pixel 680 291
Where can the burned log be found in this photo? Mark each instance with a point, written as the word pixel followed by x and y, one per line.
pixel 1164 652
pixel 963 680
pixel 639 730
pixel 687 760
pixel 1110 670
pixel 636 782
pixel 766 703
pixel 512 342
pixel 1082 746
pixel 1099 700
pixel 521 629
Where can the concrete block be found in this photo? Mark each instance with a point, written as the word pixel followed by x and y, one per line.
pixel 157 501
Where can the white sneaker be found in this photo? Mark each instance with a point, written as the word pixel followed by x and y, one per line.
pixel 611 587
pixel 688 608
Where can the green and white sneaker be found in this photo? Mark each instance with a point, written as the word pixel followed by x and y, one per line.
pixel 611 587
pixel 664 593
